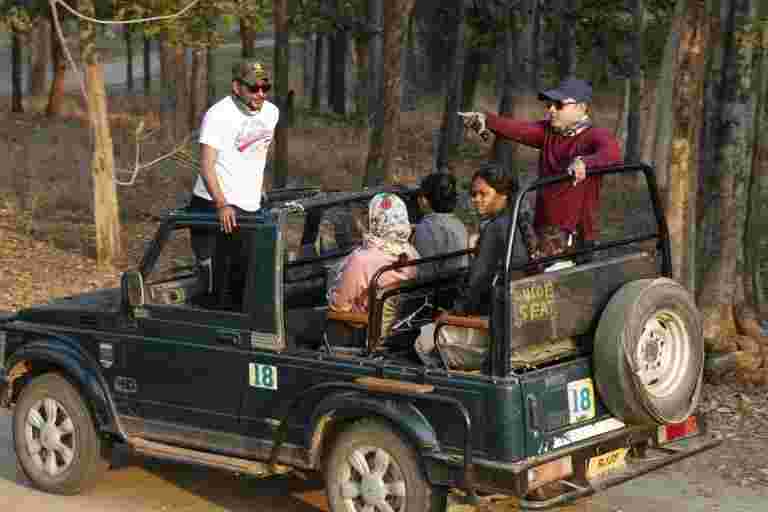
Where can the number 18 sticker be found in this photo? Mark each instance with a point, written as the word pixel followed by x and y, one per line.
pixel 262 376
pixel 581 400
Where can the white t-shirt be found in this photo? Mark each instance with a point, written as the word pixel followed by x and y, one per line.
pixel 242 142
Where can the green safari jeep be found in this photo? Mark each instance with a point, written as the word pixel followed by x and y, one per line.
pixel 234 362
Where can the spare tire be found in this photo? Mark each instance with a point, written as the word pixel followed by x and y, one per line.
pixel 649 353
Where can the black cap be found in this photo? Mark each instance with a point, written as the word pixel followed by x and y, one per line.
pixel 570 89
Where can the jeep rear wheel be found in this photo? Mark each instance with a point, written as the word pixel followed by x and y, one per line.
pixel 56 443
pixel 649 353
pixel 372 469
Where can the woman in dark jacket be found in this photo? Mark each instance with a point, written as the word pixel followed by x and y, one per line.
pixel 492 191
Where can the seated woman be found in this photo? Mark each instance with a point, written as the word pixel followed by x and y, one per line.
pixel 463 348
pixel 440 231
pixel 385 242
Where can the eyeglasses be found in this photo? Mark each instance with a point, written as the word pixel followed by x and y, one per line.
pixel 253 89
pixel 559 105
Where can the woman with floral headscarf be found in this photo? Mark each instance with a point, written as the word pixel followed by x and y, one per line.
pixel 386 242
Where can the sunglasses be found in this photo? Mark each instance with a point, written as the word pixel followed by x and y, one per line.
pixel 559 105
pixel 253 89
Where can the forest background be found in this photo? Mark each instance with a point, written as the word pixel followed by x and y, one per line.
pixel 368 91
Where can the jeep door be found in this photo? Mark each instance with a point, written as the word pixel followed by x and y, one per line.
pixel 191 363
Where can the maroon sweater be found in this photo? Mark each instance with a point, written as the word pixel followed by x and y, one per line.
pixel 564 204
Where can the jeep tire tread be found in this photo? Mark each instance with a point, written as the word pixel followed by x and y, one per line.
pixel 370 462
pixel 55 438
pixel 649 353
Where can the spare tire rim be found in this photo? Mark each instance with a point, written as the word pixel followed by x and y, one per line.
pixel 371 480
pixel 663 353
pixel 50 437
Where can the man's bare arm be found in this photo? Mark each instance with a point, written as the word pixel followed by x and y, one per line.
pixel 226 213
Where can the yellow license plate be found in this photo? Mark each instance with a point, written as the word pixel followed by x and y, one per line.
pixel 602 464
pixel 581 400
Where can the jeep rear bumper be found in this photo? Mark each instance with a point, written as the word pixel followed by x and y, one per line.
pixel 512 478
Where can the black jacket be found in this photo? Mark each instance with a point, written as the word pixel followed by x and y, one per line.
pixel 475 297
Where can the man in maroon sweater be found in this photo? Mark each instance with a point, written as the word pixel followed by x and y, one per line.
pixel 569 144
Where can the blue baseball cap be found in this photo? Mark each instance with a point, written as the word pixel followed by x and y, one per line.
pixel 569 90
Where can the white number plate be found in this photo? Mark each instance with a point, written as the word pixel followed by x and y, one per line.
pixel 262 376
pixel 581 400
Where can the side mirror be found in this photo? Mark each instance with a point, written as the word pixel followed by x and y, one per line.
pixel 132 287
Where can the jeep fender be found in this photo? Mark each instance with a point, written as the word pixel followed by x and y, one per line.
pixel 403 415
pixel 80 367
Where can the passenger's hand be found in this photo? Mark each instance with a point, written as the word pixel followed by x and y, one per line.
pixel 577 169
pixel 227 218
pixel 475 121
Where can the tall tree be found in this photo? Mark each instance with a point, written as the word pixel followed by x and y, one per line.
pixel 105 205
pixel 384 139
pixel 41 56
pixel 503 150
pixel 16 92
pixel 632 146
pixel 59 65
pixel 281 64
pixel 128 35
pixel 451 125
pixel 565 37
pixel 734 158
pixel 683 172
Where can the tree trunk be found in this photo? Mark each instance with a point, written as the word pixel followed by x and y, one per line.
pixel 534 54
pixel 210 73
pixel 632 148
pixel 322 60
pixel 503 150
pixel 181 83
pixel 339 85
pixel 451 127
pixel 687 105
pixel 734 158
pixel 169 92
pixel 128 34
pixel 147 62
pixel 105 206
pixel 758 192
pixel 664 91
pixel 470 80
pixel 375 63
pixel 281 67
pixel 309 75
pixel 383 141
pixel 247 38
pixel 566 38
pixel 41 57
pixel 16 90
pixel 59 64
pixel 198 94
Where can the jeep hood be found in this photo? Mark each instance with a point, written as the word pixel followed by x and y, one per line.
pixel 61 310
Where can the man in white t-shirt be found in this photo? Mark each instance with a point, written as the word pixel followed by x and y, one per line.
pixel 234 141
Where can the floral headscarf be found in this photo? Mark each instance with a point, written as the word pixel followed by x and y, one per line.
pixel 388 225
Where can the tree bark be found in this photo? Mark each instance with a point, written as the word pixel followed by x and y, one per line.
pixel 105 205
pixel 375 63
pixel 338 67
pixel 683 173
pixel 181 84
pixel 128 34
pixel 451 127
pixel 309 75
pixel 322 60
pixel 41 57
pixel 169 94
pixel 664 112
pixel 734 158
pixel 147 62
pixel 198 95
pixel 247 38
pixel 632 147
pixel 383 142
pixel 16 89
pixel 758 192
pixel 566 38
pixel 281 66
pixel 503 150
pixel 59 64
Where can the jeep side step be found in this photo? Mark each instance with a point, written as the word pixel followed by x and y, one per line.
pixel 186 455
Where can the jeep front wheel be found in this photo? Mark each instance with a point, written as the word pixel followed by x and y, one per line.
pixel 55 438
pixel 372 469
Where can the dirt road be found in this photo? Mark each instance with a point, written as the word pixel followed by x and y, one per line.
pixel 139 484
